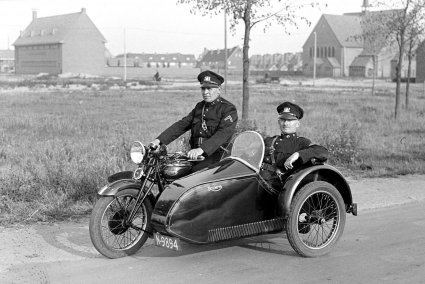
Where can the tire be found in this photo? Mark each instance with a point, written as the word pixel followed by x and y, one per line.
pixel 316 219
pixel 109 235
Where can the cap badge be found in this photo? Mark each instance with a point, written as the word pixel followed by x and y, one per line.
pixel 207 78
pixel 286 109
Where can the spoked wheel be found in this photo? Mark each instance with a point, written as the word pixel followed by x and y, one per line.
pixel 316 219
pixel 111 233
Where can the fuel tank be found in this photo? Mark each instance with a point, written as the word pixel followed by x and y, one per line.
pixel 225 194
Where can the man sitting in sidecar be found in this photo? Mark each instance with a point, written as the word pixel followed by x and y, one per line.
pixel 288 150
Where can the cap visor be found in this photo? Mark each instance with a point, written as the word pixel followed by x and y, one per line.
pixel 209 85
pixel 288 116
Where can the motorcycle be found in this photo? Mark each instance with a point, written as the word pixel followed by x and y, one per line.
pixel 163 200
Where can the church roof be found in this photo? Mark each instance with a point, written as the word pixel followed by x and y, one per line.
pixel 346 29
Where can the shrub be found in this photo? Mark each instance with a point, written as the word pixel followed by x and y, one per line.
pixel 343 143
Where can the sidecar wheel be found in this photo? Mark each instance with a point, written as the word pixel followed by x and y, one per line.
pixel 110 234
pixel 316 219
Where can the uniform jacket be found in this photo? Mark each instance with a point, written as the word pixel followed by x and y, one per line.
pixel 287 144
pixel 220 118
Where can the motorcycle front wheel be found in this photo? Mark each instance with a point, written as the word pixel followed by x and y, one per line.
pixel 316 219
pixel 111 233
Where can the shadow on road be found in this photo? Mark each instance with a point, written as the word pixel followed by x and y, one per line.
pixel 74 238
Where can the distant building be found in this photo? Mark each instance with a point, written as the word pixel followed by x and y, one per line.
pixel 68 43
pixel 215 59
pixel 420 63
pixel 7 61
pixel 295 62
pixel 154 60
pixel 277 61
pixel 335 49
pixel 340 50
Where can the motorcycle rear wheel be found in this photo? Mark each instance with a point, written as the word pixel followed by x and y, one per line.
pixel 110 234
pixel 316 220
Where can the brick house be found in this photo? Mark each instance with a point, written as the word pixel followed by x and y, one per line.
pixel 277 61
pixel 154 60
pixel 214 59
pixel 68 43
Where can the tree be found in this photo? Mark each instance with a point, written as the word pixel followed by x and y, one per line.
pixel 415 35
pixel 374 37
pixel 405 14
pixel 251 13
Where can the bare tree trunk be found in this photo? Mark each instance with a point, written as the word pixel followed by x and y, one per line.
pixel 398 76
pixel 408 76
pixel 374 75
pixel 245 59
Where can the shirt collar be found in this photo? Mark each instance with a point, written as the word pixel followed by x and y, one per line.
pixel 287 136
pixel 214 102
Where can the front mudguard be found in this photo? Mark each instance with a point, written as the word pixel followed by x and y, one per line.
pixel 120 175
pixel 113 188
pixel 315 173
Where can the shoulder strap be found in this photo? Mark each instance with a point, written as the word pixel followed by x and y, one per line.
pixel 272 149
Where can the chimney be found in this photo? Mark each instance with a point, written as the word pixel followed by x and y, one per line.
pixel 83 10
pixel 34 14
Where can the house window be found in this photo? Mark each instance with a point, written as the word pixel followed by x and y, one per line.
pixel 333 51
pixel 329 51
pixel 311 52
pixel 326 52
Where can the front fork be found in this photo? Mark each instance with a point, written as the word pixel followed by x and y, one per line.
pixel 143 194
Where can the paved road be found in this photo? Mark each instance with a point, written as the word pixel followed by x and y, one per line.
pixel 379 246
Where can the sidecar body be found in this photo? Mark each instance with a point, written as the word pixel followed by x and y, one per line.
pixel 230 200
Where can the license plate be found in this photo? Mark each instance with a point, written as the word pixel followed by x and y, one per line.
pixel 167 242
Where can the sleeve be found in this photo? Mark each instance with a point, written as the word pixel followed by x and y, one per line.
pixel 224 131
pixel 176 129
pixel 307 151
pixel 311 151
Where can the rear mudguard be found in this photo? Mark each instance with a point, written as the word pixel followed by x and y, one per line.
pixel 315 173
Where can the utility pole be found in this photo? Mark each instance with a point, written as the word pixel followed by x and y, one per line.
pixel 125 59
pixel 225 52
pixel 314 58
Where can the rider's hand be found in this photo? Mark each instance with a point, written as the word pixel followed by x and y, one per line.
pixel 154 144
pixel 288 163
pixel 194 153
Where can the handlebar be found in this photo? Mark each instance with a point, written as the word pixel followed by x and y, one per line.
pixel 162 150
pixel 183 156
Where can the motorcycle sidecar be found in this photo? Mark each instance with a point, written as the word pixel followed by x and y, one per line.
pixel 229 200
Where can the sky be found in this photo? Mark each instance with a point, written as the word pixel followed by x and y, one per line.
pixel 163 26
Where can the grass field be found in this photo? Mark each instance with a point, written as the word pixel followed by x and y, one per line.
pixel 57 147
